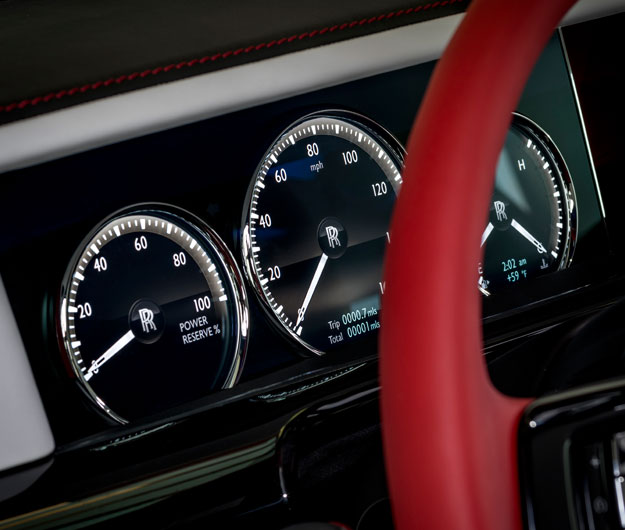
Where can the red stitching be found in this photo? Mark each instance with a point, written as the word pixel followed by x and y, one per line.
pixel 222 55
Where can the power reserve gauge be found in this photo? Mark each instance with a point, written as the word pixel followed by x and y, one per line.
pixel 152 312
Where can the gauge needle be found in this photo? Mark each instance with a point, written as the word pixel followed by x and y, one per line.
pixel 539 246
pixel 489 229
pixel 311 288
pixel 108 354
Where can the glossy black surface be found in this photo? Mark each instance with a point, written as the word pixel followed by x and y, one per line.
pixel 565 458
pixel 242 463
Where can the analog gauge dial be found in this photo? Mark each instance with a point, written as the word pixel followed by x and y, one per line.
pixel 532 220
pixel 152 313
pixel 316 226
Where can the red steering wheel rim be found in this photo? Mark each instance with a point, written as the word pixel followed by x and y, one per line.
pixel 449 436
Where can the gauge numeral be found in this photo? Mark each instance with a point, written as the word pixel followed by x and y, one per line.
pixel 141 243
pixel 280 175
pixel 265 220
pixel 100 264
pixel 274 273
pixel 350 157
pixel 509 265
pixel 513 276
pixel 312 149
pixel 202 303
pixel 180 259
pixel 84 310
pixel 379 188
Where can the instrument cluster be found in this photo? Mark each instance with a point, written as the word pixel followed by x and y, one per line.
pixel 261 244
pixel 153 298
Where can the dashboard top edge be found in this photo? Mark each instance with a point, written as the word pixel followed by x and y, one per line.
pixel 102 122
pixel 122 117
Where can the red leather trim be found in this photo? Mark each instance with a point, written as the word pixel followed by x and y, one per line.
pixel 450 437
pixel 222 55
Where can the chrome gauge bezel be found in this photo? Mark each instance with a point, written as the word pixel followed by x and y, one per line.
pixel 570 204
pixel 209 239
pixel 563 176
pixel 378 133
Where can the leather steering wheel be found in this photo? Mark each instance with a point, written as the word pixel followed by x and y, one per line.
pixel 450 437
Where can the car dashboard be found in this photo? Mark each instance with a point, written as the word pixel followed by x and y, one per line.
pixel 244 406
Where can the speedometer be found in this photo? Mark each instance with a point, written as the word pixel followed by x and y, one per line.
pixel 152 312
pixel 316 225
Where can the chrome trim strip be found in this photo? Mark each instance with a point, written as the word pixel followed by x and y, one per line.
pixel 582 122
pixel 134 496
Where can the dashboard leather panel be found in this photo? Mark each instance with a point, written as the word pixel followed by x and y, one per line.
pixel 78 51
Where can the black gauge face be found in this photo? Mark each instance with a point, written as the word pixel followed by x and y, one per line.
pixel 531 224
pixel 316 228
pixel 152 314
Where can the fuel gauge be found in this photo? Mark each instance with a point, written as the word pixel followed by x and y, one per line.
pixel 532 220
